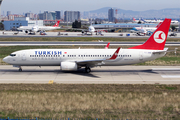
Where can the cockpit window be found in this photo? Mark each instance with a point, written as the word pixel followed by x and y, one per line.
pixel 12 55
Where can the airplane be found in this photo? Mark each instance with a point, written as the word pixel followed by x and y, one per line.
pixel 74 59
pixel 36 28
pixel 172 21
pixel 136 21
pixel 159 20
pixel 150 21
pixel 145 30
pixel 92 30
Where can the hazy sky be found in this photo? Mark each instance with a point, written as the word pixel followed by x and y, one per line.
pixel 20 6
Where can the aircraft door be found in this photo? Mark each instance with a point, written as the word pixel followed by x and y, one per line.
pixel 141 56
pixel 23 56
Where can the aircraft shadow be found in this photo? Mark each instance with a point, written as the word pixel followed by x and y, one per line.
pixel 80 72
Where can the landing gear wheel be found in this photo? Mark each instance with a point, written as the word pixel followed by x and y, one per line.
pixel 20 69
pixel 88 70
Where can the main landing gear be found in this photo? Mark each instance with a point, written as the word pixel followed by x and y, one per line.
pixel 20 69
pixel 88 69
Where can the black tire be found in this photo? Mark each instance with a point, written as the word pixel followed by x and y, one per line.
pixel 88 70
pixel 20 70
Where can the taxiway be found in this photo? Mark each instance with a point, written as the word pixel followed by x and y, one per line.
pixel 103 75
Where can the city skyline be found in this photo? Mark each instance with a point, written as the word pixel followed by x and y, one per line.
pixel 16 7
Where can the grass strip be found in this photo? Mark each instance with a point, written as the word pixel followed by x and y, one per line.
pixel 90 101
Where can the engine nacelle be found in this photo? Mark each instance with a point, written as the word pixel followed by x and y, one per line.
pixel 69 66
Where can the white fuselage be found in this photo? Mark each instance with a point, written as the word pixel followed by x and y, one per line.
pixel 144 29
pixel 37 28
pixel 54 57
pixel 91 29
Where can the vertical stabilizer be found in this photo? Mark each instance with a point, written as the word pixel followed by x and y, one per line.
pixel 158 39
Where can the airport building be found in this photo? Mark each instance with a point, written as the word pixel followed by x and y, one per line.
pixel 21 21
pixel 121 27
pixel 71 16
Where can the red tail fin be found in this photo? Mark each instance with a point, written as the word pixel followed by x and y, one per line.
pixel 57 24
pixel 134 19
pixel 158 38
pixel 107 46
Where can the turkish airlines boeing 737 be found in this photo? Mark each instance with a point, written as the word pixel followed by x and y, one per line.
pixel 39 28
pixel 74 59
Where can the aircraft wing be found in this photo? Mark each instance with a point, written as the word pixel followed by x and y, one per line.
pixel 90 62
pixel 97 62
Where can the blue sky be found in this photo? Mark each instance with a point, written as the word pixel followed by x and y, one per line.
pixel 20 6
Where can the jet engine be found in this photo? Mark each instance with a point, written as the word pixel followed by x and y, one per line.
pixel 69 66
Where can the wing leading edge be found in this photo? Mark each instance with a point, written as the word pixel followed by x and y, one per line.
pixel 97 62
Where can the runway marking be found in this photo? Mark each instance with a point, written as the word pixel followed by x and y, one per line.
pixel 170 76
pixel 51 82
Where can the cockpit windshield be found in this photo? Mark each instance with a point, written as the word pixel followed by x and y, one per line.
pixel 12 55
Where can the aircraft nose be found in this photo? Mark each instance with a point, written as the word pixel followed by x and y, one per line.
pixel 5 59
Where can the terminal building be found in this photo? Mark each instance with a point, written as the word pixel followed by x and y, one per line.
pixel 21 21
pixel 121 27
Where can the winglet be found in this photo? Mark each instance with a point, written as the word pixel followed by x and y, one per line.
pixel 114 56
pixel 107 46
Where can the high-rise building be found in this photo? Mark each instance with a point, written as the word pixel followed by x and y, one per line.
pixel 111 15
pixel 30 15
pixel 0 9
pixel 71 16
pixel 8 13
pixel 58 15
pixel 47 15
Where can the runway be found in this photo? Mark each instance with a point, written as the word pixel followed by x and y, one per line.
pixel 37 43
pixel 9 34
pixel 103 75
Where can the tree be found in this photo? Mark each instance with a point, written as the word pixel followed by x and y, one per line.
pixel 76 24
